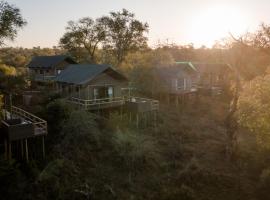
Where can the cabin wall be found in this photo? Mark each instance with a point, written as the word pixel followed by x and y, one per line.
pixel 41 74
pixel 87 91
pixel 182 84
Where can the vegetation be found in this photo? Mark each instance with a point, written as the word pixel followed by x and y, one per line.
pixel 10 21
pixel 183 157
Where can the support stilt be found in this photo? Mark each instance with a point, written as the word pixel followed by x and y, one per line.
pixel 43 147
pixel 6 149
pixel 137 120
pixel 22 152
pixel 9 151
pixel 26 150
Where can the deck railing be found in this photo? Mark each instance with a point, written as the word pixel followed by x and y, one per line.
pixel 97 103
pixel 154 103
pixel 40 77
pixel 110 102
pixel 40 125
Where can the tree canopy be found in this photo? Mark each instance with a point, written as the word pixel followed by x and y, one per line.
pixel 124 33
pixel 10 21
pixel 85 33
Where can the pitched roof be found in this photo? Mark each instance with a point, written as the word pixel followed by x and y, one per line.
pixel 83 73
pixel 176 69
pixel 49 61
pixel 211 67
pixel 186 64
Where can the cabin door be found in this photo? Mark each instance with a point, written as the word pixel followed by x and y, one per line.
pixel 103 92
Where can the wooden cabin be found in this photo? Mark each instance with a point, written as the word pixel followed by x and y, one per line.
pixel 46 68
pixel 178 79
pixel 213 77
pixel 18 127
pixel 91 85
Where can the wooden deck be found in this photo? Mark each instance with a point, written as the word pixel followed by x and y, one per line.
pixel 40 125
pixel 96 104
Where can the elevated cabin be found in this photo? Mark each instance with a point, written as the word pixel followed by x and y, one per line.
pixel 46 68
pixel 211 76
pixel 92 86
pixel 180 78
pixel 20 126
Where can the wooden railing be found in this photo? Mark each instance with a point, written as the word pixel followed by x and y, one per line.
pixel 110 102
pixel 97 103
pixel 41 77
pixel 40 125
pixel 154 103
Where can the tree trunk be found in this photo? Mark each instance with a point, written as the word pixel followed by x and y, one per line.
pixel 231 123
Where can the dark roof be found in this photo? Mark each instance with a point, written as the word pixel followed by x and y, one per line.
pixel 83 73
pixel 176 69
pixel 49 61
pixel 212 67
pixel 187 65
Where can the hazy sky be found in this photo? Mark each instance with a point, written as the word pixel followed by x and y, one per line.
pixel 180 21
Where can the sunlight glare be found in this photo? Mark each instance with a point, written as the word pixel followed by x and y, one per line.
pixel 217 22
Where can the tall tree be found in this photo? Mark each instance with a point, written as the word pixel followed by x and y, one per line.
pixel 10 21
pixel 84 34
pixel 124 33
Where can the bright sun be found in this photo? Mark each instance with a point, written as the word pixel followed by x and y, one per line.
pixel 215 23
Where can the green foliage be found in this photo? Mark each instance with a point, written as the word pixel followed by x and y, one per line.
pixel 134 148
pixel 10 21
pixel 85 34
pixel 124 33
pixel 254 109
pixel 264 184
pixel 7 70
pixel 80 130
pixel 56 113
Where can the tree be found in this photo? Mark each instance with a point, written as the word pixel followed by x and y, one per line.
pixel 254 109
pixel 124 33
pixel 84 34
pixel 10 21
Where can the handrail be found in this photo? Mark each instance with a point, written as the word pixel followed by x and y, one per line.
pixel 97 102
pixel 36 121
pixel 104 101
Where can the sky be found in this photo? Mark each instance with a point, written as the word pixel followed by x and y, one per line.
pixel 201 22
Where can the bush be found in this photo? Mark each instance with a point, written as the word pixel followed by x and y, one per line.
pixel 264 185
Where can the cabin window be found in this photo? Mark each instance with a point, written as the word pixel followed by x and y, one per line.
pixel 40 71
pixel 95 93
pixel 110 92
pixel 181 84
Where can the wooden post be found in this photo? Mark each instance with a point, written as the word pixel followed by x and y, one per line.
pixel 176 101
pixel 121 112
pixel 137 120
pixel 26 150
pixel 9 151
pixel 22 149
pixel 130 116
pixel 43 147
pixel 6 149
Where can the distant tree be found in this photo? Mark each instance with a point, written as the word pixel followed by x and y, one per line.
pixel 124 33
pixel 10 21
pixel 84 34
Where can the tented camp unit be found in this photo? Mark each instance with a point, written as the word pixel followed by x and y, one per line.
pixel 179 78
pixel 213 75
pixel 177 81
pixel 96 87
pixel 20 129
pixel 91 85
pixel 46 68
